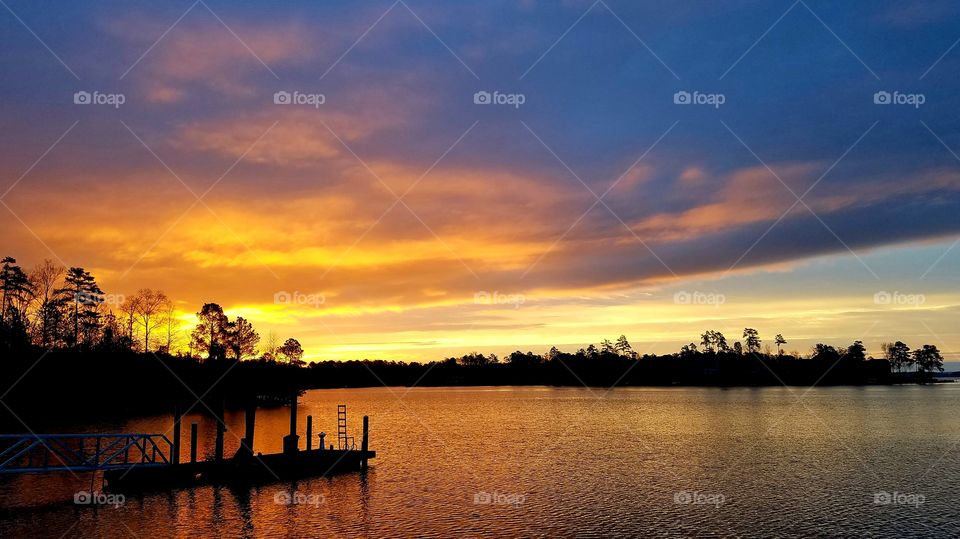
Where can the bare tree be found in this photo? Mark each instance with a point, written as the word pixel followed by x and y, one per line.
pixel 129 308
pixel 270 346
pixel 170 321
pixel 46 278
pixel 149 306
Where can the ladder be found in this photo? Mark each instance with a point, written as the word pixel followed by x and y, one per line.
pixel 343 442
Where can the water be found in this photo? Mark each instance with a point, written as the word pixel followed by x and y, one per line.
pixel 567 462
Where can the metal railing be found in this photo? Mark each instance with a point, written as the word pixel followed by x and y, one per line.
pixel 28 453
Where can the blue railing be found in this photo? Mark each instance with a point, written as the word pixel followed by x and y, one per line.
pixel 29 453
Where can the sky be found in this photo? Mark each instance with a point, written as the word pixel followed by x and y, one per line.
pixel 418 179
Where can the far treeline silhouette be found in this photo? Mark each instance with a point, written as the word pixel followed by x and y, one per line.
pixel 68 352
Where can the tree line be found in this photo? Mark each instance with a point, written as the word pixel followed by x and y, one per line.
pixel 54 307
pixel 898 357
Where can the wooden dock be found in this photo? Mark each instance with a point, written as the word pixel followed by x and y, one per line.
pixel 141 462
pixel 243 470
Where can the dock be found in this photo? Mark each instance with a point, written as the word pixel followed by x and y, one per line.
pixel 147 462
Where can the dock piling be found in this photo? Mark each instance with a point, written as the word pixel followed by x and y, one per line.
pixel 221 427
pixel 363 443
pixel 193 443
pixel 291 441
pixel 175 450
pixel 309 432
pixel 250 421
pixel 322 434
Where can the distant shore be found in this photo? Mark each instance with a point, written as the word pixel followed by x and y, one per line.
pixel 66 387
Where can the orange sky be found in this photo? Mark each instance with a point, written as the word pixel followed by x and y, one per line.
pixel 432 226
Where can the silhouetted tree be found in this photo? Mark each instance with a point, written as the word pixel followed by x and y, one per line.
pixel 825 352
pixel 927 359
pixel 85 295
pixel 474 359
pixel 271 346
pixel 752 340
pixel 738 348
pixel 623 347
pixel 170 320
pixel 519 358
pixel 856 352
pixel 46 278
pixel 129 309
pixel 780 341
pixel 606 347
pixel 242 339
pixel 713 341
pixel 292 351
pixel 148 308
pixel 898 354
pixel 17 291
pixel 110 334
pixel 210 333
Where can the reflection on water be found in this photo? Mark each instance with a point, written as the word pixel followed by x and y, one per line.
pixel 562 462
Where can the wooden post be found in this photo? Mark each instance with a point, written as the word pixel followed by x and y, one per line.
pixel 363 443
pixel 291 441
pixel 250 426
pixel 322 434
pixel 175 457
pixel 193 443
pixel 293 414
pixel 309 432
pixel 221 427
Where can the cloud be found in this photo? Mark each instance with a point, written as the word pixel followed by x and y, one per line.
pixel 200 52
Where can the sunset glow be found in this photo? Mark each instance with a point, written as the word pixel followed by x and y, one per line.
pixel 401 220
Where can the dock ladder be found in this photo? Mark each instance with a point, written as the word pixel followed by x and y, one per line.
pixel 343 441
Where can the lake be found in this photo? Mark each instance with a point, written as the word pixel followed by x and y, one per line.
pixel 520 462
